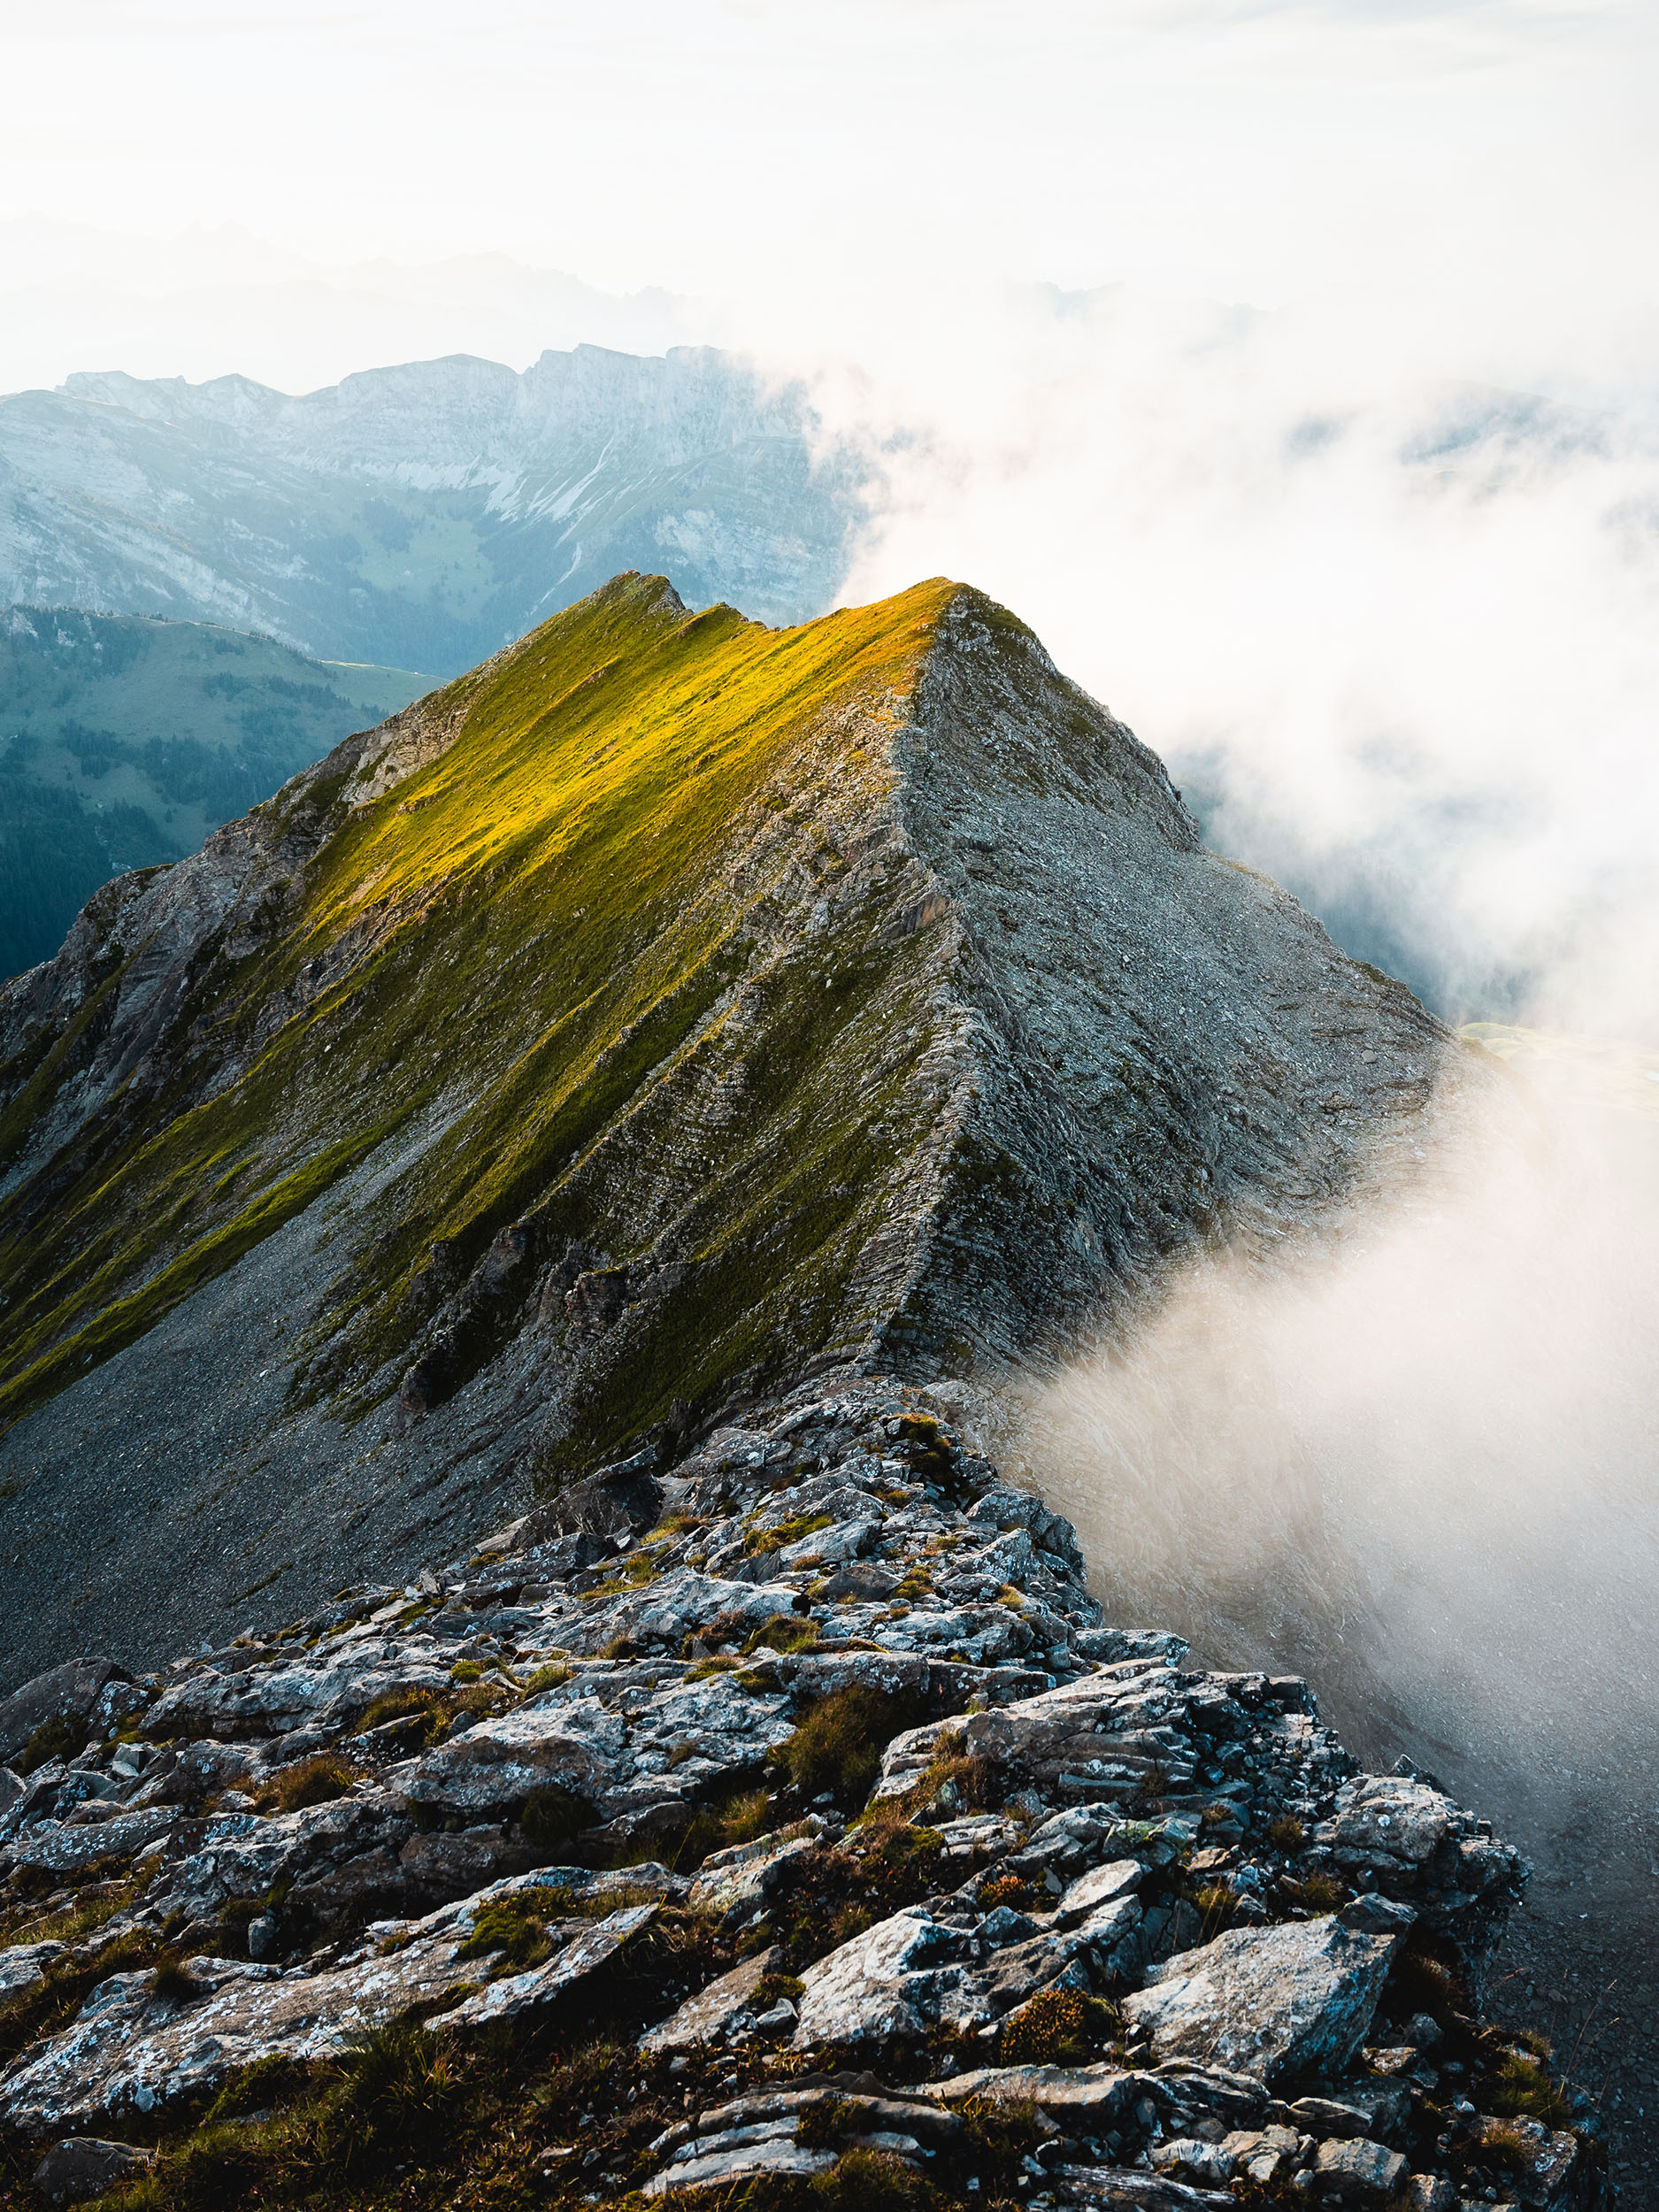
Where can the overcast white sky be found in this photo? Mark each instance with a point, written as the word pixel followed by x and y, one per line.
pixel 1484 172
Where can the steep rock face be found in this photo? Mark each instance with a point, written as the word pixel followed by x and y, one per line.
pixel 421 515
pixel 668 1003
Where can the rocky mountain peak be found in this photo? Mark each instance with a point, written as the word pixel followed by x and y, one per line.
pixel 670 1005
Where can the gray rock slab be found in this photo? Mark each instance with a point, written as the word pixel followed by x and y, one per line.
pixel 130 2050
pixel 1268 2001
pixel 68 1692
pixel 709 2017
pixel 1120 2189
pixel 1103 1886
pixel 1358 2169
pixel 23 1964
pixel 910 1974
pixel 1390 1814
pixel 774 2155
pixel 58 1849
pixel 1090 2097
pixel 738 1880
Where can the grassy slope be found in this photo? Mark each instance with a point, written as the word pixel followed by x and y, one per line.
pixel 125 741
pixel 553 935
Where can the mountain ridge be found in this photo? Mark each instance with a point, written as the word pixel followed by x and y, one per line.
pixel 670 1004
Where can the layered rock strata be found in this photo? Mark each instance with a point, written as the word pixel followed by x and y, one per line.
pixel 808 1770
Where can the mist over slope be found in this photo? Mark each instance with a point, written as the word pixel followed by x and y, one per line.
pixel 421 516
pixel 125 740
pixel 1458 1393
pixel 668 1004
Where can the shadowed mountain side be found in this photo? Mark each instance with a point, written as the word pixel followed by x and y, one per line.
pixel 668 1004
pixel 127 740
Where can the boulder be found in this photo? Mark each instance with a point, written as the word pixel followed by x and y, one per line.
pixel 614 1502
pixel 1390 1815
pixel 1291 1999
pixel 23 1964
pixel 85 2167
pixel 67 1692
pixel 1357 2169
pixel 865 1579
pixel 580 1746
pixel 1187 2158
pixel 1379 2110
pixel 1086 2100
pixel 245 1701
pixel 669 1611
pixel 709 2016
pixel 1104 1886
pixel 58 1849
pixel 911 1973
pixel 1554 2162
pixel 622 1749
pixel 738 1881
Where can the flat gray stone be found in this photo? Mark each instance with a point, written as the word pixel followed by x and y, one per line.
pixel 773 2157
pixel 23 1964
pixel 737 1880
pixel 1103 1886
pixel 1268 2001
pixel 709 2016
pixel 130 2051
pixel 910 1973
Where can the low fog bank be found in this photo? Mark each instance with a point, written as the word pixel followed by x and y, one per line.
pixel 1418 1465
pixel 1439 1431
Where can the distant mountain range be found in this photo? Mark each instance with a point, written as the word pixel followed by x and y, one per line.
pixel 124 741
pixel 425 515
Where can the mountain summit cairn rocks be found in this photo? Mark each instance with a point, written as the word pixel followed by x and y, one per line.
pixel 666 1008
pixel 933 1893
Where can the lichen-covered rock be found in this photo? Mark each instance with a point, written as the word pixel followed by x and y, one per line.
pixel 540 1778
pixel 132 2048
pixel 1358 2171
pixel 737 1880
pixel 65 1695
pixel 23 1964
pixel 707 2019
pixel 1296 1999
pixel 913 1974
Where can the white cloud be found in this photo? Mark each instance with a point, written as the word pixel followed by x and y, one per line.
pixel 1493 162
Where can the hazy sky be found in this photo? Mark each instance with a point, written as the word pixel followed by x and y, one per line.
pixel 1486 171
pixel 1241 525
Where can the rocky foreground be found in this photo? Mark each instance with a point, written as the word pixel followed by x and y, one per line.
pixel 786 1825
